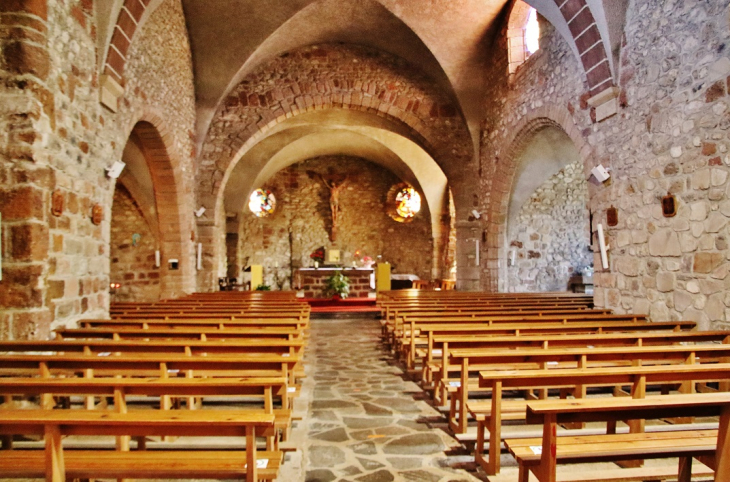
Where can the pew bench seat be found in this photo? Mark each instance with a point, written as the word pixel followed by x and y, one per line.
pixel 152 464
pixel 54 425
pixel 615 447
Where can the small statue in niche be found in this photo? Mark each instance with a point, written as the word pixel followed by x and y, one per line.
pixel 57 203
pixel 97 214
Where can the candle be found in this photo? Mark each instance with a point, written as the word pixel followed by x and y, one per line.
pixel 157 258
pixel 316 264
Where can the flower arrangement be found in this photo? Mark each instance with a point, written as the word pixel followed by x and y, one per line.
pixel 364 260
pixel 337 286
pixel 318 255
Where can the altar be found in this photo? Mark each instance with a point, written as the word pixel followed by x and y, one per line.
pixel 312 281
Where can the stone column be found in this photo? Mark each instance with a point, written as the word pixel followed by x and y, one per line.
pixel 26 110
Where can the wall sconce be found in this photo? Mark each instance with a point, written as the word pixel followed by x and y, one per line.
pixel 199 212
pixel 115 170
pixel 601 173
pixel 199 257
pixel 512 257
pixel 157 258
pixel 476 213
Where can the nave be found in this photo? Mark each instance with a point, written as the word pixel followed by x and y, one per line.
pixel 193 387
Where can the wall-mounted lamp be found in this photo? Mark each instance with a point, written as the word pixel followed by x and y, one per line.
pixel 476 213
pixel 601 173
pixel 512 257
pixel 199 258
pixel 199 212
pixel 115 170
pixel 157 258
pixel 604 248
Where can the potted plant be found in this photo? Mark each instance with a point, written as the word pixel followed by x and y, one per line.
pixel 337 286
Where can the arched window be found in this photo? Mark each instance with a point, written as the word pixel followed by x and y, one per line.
pixel 523 34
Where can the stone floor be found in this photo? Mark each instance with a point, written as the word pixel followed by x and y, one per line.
pixel 366 421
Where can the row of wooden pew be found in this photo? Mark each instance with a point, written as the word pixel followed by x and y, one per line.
pixel 165 380
pixel 495 360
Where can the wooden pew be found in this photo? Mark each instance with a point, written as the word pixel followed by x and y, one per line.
pixel 214 333
pixel 397 319
pixel 637 377
pixel 194 321
pixel 437 367
pixel 390 310
pixel 152 365
pixel 264 390
pixel 472 361
pixel 710 446
pixel 181 347
pixel 57 464
pixel 418 334
pixel 261 312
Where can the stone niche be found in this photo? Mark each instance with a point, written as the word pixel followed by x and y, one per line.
pixel 303 209
pixel 550 234
pixel 132 257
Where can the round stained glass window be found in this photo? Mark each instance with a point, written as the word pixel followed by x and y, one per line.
pixel 404 203
pixel 262 203
pixel 408 202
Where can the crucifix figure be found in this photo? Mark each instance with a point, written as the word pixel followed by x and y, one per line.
pixel 335 186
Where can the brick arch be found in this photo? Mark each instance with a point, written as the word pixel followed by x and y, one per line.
pixel 589 42
pixel 258 105
pixel 153 138
pixel 328 76
pixel 504 179
pixel 128 22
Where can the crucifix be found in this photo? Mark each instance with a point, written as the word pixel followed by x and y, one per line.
pixel 335 186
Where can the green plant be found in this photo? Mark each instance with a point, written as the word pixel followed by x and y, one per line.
pixel 337 285
pixel 263 287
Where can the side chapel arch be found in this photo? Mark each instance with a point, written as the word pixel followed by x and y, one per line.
pixel 496 226
pixel 173 220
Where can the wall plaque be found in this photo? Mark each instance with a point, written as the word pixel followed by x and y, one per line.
pixel 57 203
pixel 669 205
pixel 97 214
pixel 612 216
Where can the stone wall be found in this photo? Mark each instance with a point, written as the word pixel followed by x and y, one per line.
pixel 56 137
pixel 670 134
pixel 303 206
pixel 132 263
pixel 550 235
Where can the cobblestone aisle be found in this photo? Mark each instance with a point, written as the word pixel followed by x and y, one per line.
pixel 367 422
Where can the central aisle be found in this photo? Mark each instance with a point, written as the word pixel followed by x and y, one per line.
pixel 366 421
